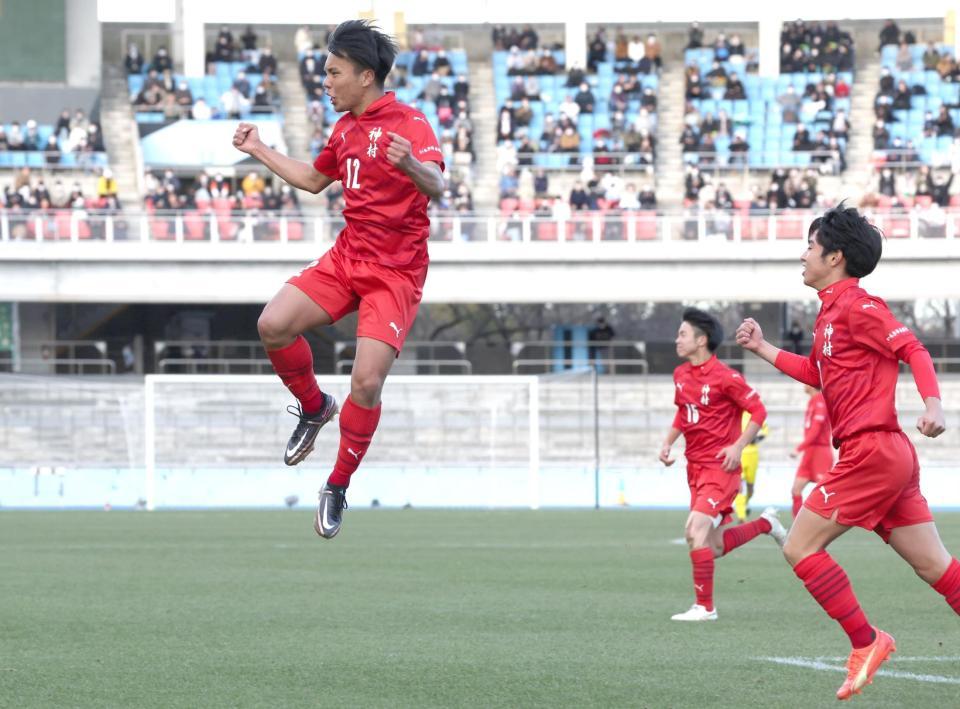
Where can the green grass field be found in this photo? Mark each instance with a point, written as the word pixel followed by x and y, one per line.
pixel 435 609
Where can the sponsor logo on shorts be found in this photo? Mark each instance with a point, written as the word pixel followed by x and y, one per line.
pixel 712 502
pixel 826 495
pixel 396 329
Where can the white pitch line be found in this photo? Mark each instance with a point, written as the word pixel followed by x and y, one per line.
pixel 824 667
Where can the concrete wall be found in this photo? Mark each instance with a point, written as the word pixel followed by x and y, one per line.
pixel 464 273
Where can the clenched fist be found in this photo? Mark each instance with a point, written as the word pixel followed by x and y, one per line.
pixel 246 138
pixel 749 335
pixel 399 151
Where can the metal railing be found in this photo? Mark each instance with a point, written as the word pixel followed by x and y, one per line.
pixel 59 365
pixel 417 357
pixel 521 225
pixel 211 356
pixel 608 356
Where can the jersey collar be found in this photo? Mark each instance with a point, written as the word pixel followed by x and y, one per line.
pixel 386 100
pixel 706 367
pixel 830 294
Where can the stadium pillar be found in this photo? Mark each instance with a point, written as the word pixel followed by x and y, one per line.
pixel 189 26
pixel 83 43
pixel 389 17
pixel 769 30
pixel 575 37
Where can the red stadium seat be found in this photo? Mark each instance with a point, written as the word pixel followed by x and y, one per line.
pixel 194 226
pixel 294 230
pixel 544 231
pixel 161 230
pixel 227 228
pixel 896 227
pixel 646 225
pixel 790 225
pixel 755 228
pixel 508 205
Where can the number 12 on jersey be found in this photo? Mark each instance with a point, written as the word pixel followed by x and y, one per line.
pixel 353 174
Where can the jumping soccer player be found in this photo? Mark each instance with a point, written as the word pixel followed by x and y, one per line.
pixel 817 455
pixel 876 482
pixel 710 397
pixel 749 463
pixel 389 162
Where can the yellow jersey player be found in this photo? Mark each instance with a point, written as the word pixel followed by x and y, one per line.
pixel 749 462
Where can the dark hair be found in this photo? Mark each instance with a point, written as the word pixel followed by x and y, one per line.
pixel 365 45
pixel 845 230
pixel 705 324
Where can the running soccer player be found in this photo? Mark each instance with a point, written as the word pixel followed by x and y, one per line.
pixel 709 397
pixel 749 463
pixel 817 455
pixel 389 162
pixel 876 482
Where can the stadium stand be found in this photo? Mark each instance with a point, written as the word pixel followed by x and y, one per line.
pixel 734 117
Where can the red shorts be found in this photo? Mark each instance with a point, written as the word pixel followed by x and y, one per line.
pixel 875 485
pixel 712 490
pixel 815 463
pixel 387 298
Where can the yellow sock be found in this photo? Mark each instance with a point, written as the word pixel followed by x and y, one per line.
pixel 740 507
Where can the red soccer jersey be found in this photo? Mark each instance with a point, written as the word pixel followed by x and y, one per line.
pixel 816 425
pixel 386 214
pixel 710 398
pixel 854 361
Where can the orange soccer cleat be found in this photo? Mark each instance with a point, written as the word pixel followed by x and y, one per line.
pixel 864 663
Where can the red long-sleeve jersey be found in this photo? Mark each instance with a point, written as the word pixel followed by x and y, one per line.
pixel 710 398
pixel 816 424
pixel 854 361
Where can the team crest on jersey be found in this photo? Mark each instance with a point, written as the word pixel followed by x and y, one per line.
pixel 705 395
pixel 374 137
pixel 827 342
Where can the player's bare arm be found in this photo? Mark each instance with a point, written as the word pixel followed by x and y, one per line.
pixel 301 175
pixel 731 454
pixel 750 337
pixel 668 442
pixel 427 175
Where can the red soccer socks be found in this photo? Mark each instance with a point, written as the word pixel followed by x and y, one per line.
pixel 949 586
pixel 830 587
pixel 357 426
pixel 743 533
pixel 294 365
pixel 702 560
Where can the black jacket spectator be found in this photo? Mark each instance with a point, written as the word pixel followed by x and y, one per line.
pixel 161 61
pixel 133 62
pixel 735 90
pixel 890 34
pixel 421 65
pixel 268 62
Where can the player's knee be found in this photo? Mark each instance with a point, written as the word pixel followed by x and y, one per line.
pixel 272 330
pixel 365 388
pixel 794 553
pixel 930 569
